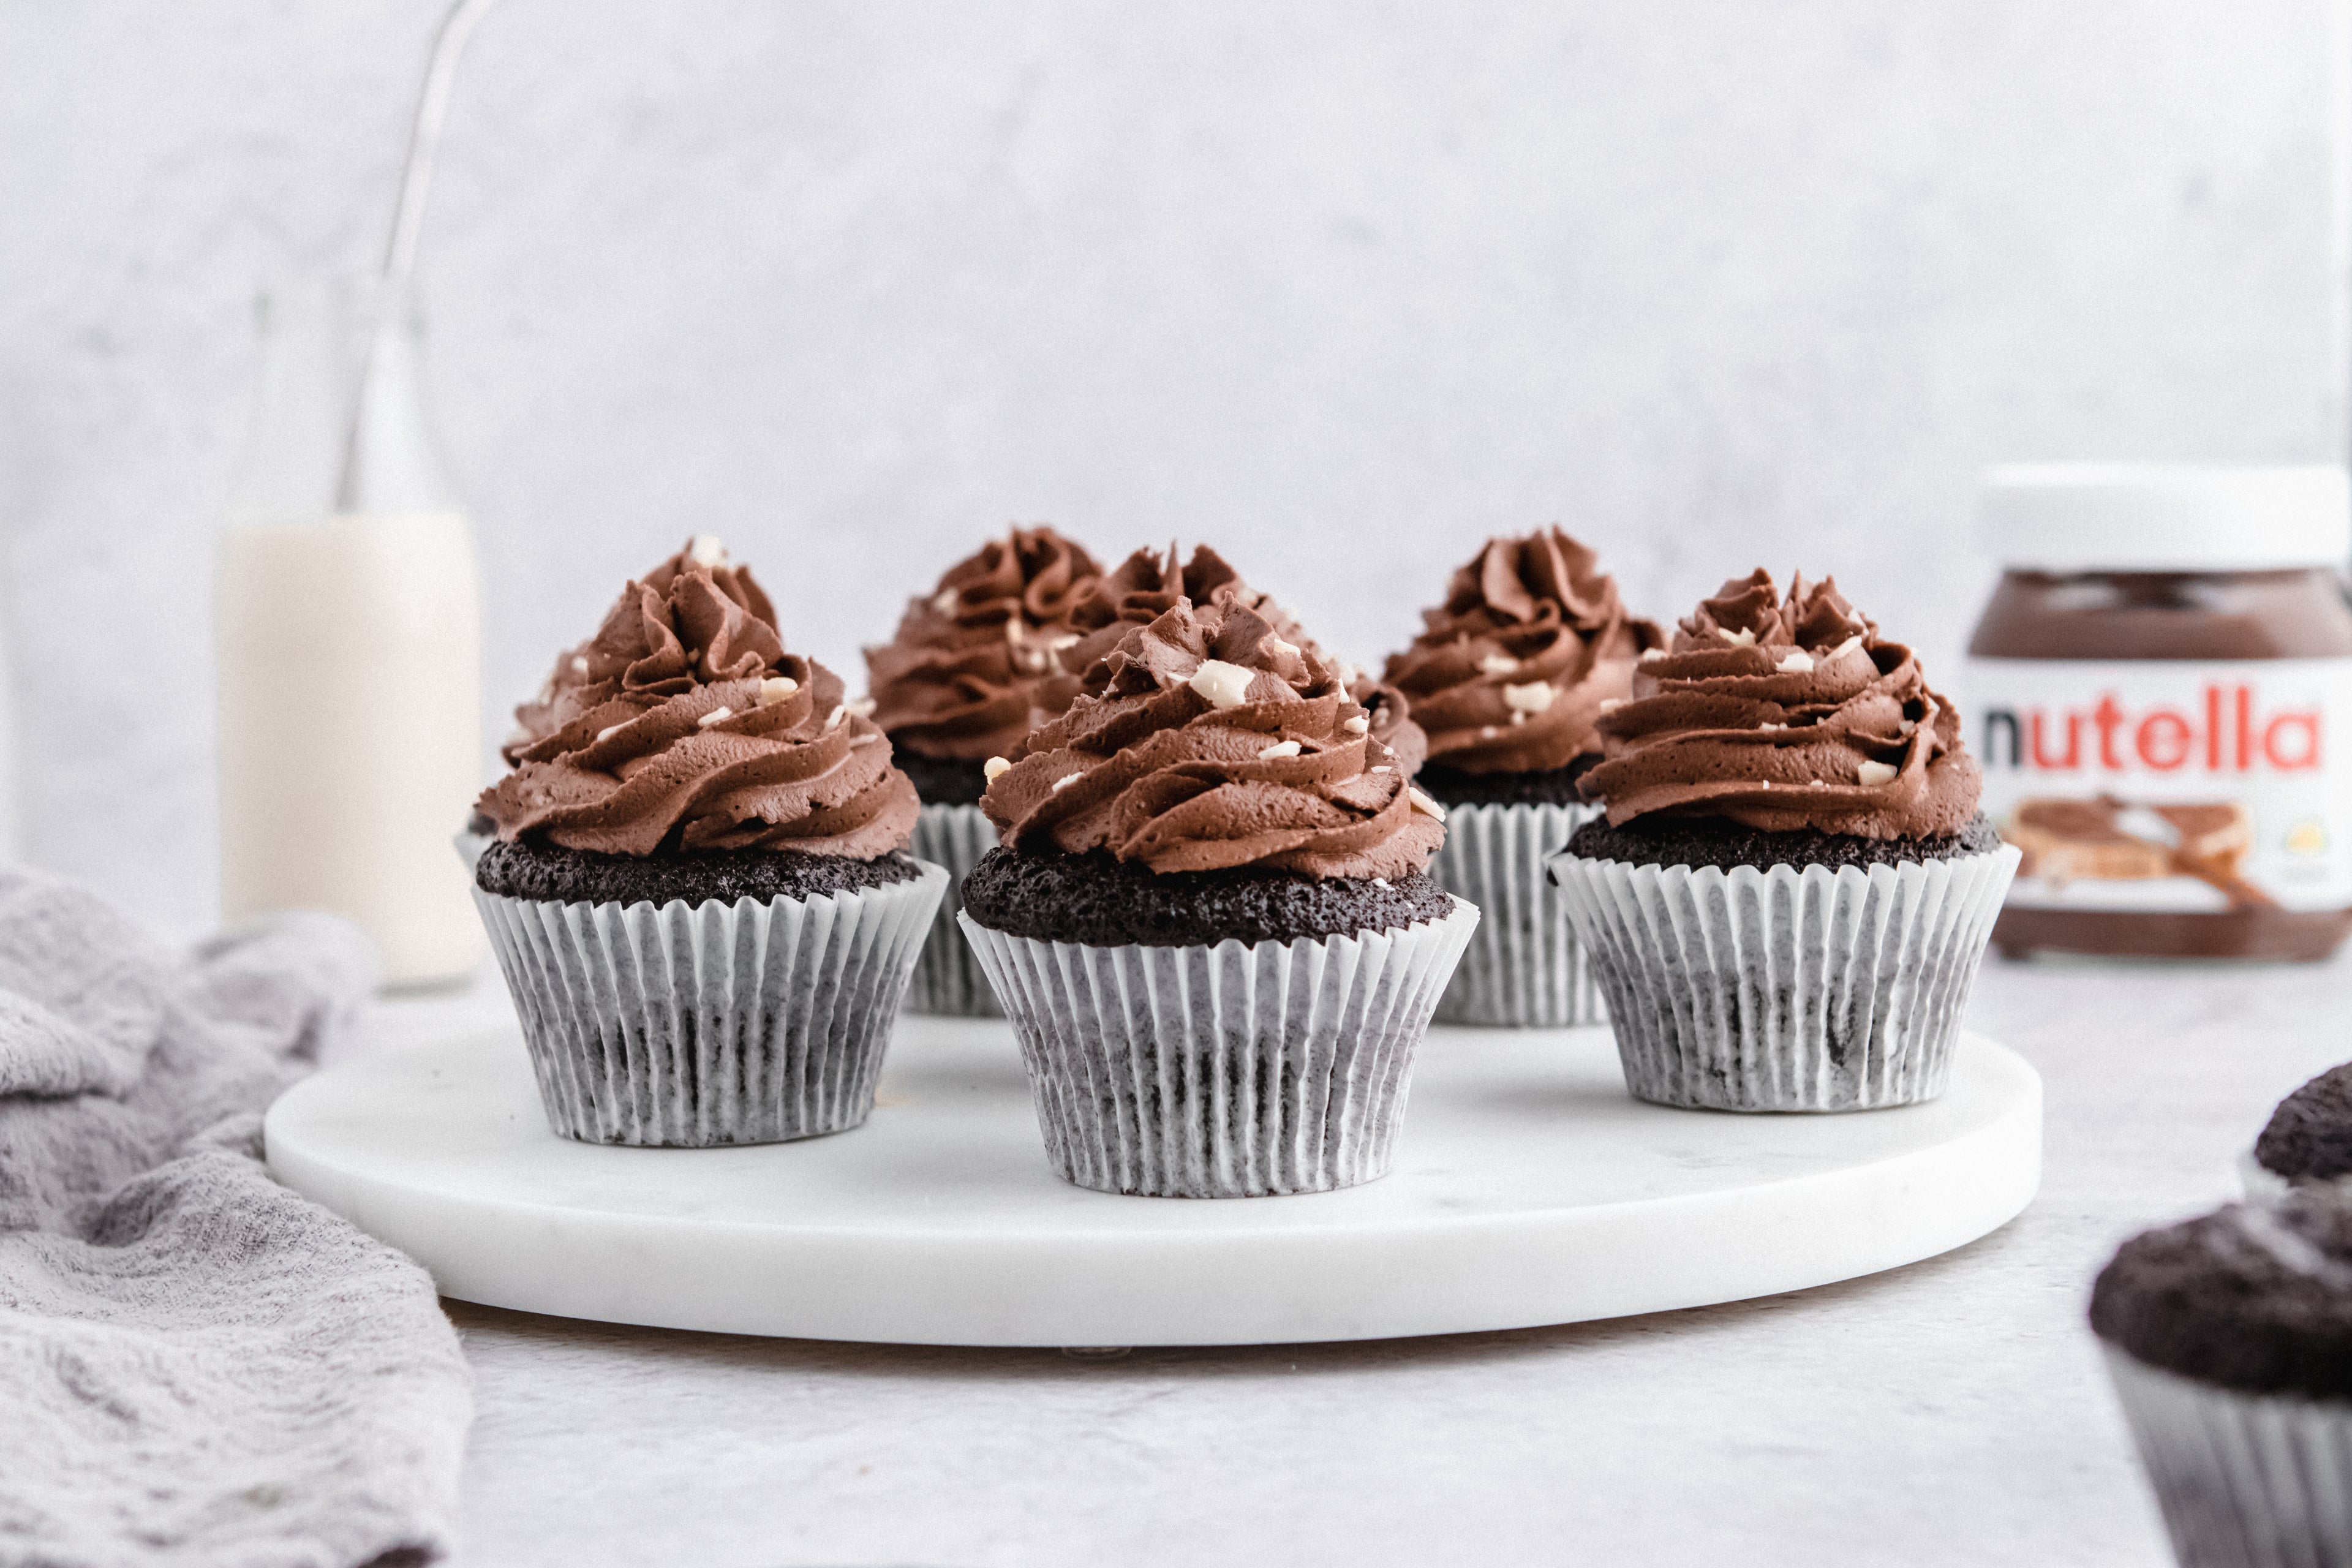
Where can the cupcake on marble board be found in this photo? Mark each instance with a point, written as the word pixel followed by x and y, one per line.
pixel 699 892
pixel 1210 921
pixel 2308 1139
pixel 1507 680
pixel 976 665
pixel 2229 1339
pixel 1792 889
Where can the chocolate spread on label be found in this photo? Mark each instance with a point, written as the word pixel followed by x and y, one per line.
pixel 2172 751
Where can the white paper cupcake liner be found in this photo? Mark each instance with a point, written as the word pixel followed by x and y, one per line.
pixel 1238 1070
pixel 2245 1480
pixel 695 1025
pixel 1781 989
pixel 1525 967
pixel 948 978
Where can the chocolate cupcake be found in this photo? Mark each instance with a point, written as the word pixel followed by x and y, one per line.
pixel 2230 1341
pixel 1210 920
pixel 1790 890
pixel 699 892
pixel 2308 1140
pixel 977 664
pixel 1507 681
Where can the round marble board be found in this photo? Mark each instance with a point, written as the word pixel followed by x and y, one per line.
pixel 1528 1188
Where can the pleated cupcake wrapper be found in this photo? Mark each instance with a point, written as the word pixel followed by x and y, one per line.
pixel 1525 967
pixel 2245 1480
pixel 701 1025
pixel 948 978
pixel 1781 989
pixel 1238 1070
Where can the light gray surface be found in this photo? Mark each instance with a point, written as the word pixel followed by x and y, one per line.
pixel 1337 286
pixel 1952 1412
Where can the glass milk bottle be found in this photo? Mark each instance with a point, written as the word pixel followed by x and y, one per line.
pixel 349 637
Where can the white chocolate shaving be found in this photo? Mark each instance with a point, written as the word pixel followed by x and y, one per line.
pixel 1771 726
pixel 1066 780
pixel 1872 775
pixel 1744 637
pixel 861 706
pixel 1221 684
pixel 1651 655
pixel 1422 803
pixel 775 689
pixel 609 730
pixel 1359 725
pixel 714 716
pixel 944 601
pixel 707 551
pixel 1846 646
pixel 1278 645
pixel 1280 749
pixel 579 665
pixel 1611 704
pixel 1532 697
pixel 1381 769
pixel 994 769
pixel 1796 662
pixel 1499 664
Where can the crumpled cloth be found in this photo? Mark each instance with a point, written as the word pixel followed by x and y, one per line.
pixel 196 1366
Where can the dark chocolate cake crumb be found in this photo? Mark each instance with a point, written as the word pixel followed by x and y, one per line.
pixel 942 781
pixel 480 826
pixel 551 874
pixel 2255 1296
pixel 1554 787
pixel 1094 901
pixel 2310 1133
pixel 1698 841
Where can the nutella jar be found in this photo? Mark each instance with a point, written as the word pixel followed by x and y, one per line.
pixel 2160 696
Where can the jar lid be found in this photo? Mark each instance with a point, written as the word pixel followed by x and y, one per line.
pixel 2163 517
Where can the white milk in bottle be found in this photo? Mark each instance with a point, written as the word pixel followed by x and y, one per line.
pixel 349 637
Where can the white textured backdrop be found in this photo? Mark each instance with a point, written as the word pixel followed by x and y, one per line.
pixel 1339 287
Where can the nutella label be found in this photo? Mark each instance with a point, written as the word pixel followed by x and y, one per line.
pixel 2164 784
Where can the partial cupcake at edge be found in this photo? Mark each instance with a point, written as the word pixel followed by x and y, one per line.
pixel 699 892
pixel 977 663
pixel 2307 1140
pixel 2229 1341
pixel 1792 887
pixel 1507 681
pixel 1210 920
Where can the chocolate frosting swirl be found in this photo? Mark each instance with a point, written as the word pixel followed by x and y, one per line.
pixel 1510 672
pixel 1146 587
pixel 976 663
pixel 1209 741
pixel 1148 584
pixel 1785 715
pixel 683 725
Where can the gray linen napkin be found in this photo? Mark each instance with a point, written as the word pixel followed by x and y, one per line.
pixel 196 1366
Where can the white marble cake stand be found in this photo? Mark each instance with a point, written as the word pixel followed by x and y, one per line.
pixel 1527 1189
